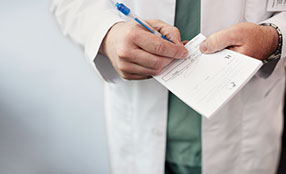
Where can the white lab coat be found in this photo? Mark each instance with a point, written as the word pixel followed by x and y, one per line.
pixel 242 138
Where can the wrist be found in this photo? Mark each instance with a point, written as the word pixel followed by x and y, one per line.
pixel 275 38
pixel 272 36
pixel 105 41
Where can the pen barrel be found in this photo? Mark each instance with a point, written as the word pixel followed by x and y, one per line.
pixel 148 27
pixel 143 23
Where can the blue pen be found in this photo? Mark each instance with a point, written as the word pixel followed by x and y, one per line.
pixel 127 12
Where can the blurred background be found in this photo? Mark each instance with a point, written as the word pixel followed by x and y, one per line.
pixel 51 99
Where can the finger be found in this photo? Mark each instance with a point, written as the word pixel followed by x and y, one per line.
pixel 167 30
pixel 134 77
pixel 133 68
pixel 220 40
pixel 148 60
pixel 156 45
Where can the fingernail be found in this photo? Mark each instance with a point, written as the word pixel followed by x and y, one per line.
pixel 185 54
pixel 203 47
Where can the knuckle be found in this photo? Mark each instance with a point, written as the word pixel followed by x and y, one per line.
pixel 123 67
pixel 176 30
pixel 152 72
pixel 156 72
pixel 126 76
pixel 123 52
pixel 213 40
pixel 157 65
pixel 131 33
pixel 160 48
pixel 120 67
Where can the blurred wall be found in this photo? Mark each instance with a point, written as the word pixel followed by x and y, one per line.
pixel 51 99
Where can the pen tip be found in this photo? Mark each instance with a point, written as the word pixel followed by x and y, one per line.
pixel 117 4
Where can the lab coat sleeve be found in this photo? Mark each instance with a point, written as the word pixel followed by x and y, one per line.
pixel 278 19
pixel 86 22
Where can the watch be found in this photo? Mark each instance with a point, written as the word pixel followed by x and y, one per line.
pixel 277 53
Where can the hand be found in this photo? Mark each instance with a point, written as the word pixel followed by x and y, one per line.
pixel 138 54
pixel 246 38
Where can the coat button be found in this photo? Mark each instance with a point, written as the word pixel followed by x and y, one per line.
pixel 156 132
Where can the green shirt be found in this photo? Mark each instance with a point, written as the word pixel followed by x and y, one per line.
pixel 183 152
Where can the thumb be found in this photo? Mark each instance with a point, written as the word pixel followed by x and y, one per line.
pixel 218 41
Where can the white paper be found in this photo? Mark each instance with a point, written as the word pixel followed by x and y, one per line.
pixel 207 82
pixel 276 5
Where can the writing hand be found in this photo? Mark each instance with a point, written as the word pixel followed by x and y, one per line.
pixel 138 54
